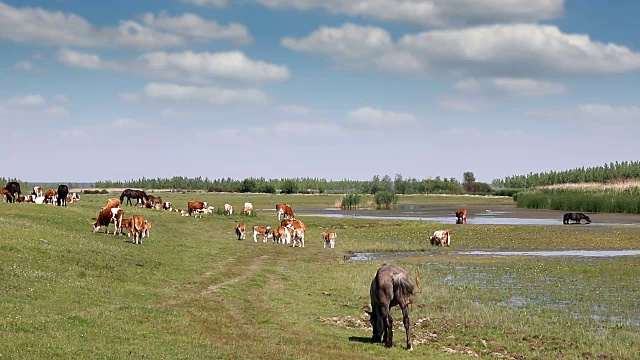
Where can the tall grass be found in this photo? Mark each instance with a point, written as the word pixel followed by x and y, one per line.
pixel 612 199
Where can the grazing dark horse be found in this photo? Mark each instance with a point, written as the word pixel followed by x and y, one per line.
pixel 63 191
pixel 14 188
pixel 577 217
pixel 139 195
pixel 390 287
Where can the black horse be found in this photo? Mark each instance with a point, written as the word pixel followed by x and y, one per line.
pixel 63 191
pixel 14 188
pixel 139 195
pixel 577 217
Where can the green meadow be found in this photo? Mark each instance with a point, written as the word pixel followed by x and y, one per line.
pixel 192 291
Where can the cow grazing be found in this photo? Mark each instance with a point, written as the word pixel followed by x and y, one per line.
pixel 261 230
pixel 63 191
pixel 14 188
pixel 329 238
pixel 461 216
pixel 136 225
pixel 285 211
pixel 440 237
pixel 49 196
pixel 228 209
pixel 104 218
pixel 198 208
pixel 241 231
pixel 112 202
pixel 247 209
pixel 38 191
pixel 390 287
pixel 7 196
pixel 125 225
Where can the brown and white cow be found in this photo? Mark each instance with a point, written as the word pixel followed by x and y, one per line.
pixel 297 224
pixel 282 235
pixel 117 215
pixel 146 229
pixel 125 225
pixel 298 236
pixel 228 209
pixel 285 211
pixel 261 230
pixel 38 191
pixel 104 218
pixel 136 225
pixel 113 202
pixel 241 230
pixel 7 196
pixel 198 208
pixel 50 197
pixel 167 206
pixel 329 238
pixel 461 216
pixel 248 208
pixel 440 237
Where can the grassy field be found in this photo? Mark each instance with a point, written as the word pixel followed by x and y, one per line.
pixel 192 291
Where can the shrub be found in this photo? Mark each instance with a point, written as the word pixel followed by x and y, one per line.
pixel 289 187
pixel 385 199
pixel 350 201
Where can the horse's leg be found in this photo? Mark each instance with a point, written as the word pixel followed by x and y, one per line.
pixel 407 324
pixel 388 325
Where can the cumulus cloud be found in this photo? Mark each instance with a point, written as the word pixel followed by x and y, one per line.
pixel 348 42
pixel 232 65
pixel 83 60
pixel 202 3
pixel 430 12
pixel 31 107
pixel 509 87
pixel 196 95
pixel 40 26
pixel 376 117
pixel 195 27
pixel 502 50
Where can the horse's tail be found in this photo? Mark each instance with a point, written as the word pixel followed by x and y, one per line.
pixel 402 289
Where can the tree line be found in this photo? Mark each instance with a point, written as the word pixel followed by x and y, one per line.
pixel 599 174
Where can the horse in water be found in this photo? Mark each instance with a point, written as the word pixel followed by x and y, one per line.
pixel 390 287
pixel 577 217
pixel 139 195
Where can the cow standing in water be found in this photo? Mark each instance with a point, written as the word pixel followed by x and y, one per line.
pixel 63 191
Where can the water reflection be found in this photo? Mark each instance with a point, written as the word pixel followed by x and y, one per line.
pixel 583 253
pixel 482 220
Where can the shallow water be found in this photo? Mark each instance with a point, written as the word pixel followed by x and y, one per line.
pixel 483 220
pixel 583 253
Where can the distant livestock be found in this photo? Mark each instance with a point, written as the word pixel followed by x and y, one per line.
pixel 440 237
pixel 228 209
pixel 63 191
pixel 138 195
pixel 7 196
pixel 241 230
pixel 461 216
pixel 284 210
pixel 576 217
pixel 329 238
pixel 198 208
pixel 247 209
pixel 14 188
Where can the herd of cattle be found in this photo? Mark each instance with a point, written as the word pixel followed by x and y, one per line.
pixel 12 193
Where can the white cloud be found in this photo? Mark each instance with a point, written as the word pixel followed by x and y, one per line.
pixel 204 95
pixel 195 27
pixel 520 49
pixel 201 67
pixel 464 103
pixel 432 12
pixel 507 51
pixel 202 3
pixel 27 101
pixel 295 109
pixel 370 116
pixel 605 112
pixel 82 60
pixel 509 87
pixel 24 65
pixel 40 26
pixel 346 43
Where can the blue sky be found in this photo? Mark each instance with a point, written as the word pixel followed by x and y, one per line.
pixel 308 88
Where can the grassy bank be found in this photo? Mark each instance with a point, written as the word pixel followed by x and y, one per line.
pixel 585 200
pixel 193 291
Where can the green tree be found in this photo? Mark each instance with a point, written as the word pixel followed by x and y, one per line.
pixel 289 187
pixel 468 180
